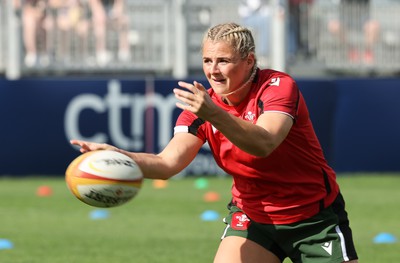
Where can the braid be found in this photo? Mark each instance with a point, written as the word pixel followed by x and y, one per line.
pixel 238 29
pixel 240 38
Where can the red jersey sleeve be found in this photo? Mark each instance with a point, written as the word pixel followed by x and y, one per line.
pixel 190 123
pixel 280 93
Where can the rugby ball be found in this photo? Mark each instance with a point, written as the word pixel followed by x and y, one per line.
pixel 104 178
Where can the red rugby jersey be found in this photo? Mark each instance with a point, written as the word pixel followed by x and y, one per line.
pixel 294 182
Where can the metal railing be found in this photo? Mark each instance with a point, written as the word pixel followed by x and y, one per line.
pixel 3 35
pixel 356 38
pixel 164 37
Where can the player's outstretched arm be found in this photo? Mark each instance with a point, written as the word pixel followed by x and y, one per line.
pixel 178 154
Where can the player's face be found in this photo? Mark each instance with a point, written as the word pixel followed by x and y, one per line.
pixel 223 67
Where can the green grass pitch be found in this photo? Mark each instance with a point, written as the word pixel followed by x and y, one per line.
pixel 165 225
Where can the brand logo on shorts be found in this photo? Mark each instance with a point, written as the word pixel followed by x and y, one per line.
pixel 327 246
pixel 240 221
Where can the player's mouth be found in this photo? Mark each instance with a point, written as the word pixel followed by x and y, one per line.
pixel 219 81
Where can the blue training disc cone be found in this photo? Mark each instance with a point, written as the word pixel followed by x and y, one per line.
pixel 385 238
pixel 209 215
pixel 6 244
pixel 99 214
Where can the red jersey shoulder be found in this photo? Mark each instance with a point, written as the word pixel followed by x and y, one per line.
pixel 273 78
pixel 278 92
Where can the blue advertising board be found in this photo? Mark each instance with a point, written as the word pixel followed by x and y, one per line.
pixel 39 117
pixel 355 120
pixel 367 128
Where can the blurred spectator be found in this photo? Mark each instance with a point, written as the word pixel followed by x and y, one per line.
pixel 33 13
pixel 66 19
pixel 79 15
pixel 110 14
pixel 354 17
pixel 298 25
pixel 256 15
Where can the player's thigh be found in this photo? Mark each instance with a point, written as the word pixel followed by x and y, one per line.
pixel 234 249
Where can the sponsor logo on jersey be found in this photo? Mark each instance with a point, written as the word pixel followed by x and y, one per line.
pixel 275 82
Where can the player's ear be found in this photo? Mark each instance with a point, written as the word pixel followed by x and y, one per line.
pixel 251 59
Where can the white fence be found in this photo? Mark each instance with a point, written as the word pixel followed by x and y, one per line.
pixel 67 36
pixel 358 38
pixel 3 35
pixel 164 36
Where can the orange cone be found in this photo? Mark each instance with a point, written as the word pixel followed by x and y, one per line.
pixel 159 184
pixel 211 197
pixel 44 191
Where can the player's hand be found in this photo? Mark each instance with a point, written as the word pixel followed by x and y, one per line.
pixel 196 99
pixel 92 146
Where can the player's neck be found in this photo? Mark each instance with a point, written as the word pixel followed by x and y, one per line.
pixel 236 97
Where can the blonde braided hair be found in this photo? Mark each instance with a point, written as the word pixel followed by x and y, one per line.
pixel 238 37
